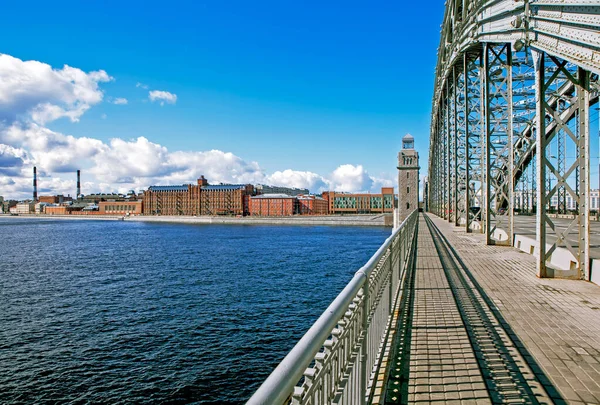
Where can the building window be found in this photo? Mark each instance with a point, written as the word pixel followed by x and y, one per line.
pixel 407 206
pixel 407 190
pixel 407 174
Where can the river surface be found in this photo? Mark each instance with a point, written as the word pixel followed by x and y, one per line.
pixel 130 312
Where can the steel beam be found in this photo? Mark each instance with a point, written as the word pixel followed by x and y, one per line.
pixel 499 155
pixel 555 120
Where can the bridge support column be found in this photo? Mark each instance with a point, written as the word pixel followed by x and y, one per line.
pixel 540 157
pixel 467 157
pixel 583 123
pixel 446 159
pixel 499 153
pixel 562 98
pixel 440 164
pixel 451 125
pixel 474 149
pixel 458 146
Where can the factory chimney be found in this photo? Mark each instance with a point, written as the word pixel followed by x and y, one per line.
pixel 78 184
pixel 35 197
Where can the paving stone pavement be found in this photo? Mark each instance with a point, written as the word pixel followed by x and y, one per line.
pixel 442 363
pixel 555 323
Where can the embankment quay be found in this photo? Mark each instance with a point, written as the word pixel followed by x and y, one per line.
pixel 328 220
pixel 437 315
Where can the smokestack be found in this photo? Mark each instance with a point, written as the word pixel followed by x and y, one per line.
pixel 78 184
pixel 35 184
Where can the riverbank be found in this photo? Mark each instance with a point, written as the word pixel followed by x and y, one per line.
pixel 330 220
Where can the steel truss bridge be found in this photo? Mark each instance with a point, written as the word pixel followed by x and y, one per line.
pixel 515 89
pixel 515 86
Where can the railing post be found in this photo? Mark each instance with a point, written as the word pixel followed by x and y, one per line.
pixel 398 252
pixel 364 346
pixel 391 282
pixel 405 248
pixel 401 247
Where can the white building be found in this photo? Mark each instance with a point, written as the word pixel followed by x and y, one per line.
pixel 524 200
pixel 23 208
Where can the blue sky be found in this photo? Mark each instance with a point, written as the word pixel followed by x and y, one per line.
pixel 301 86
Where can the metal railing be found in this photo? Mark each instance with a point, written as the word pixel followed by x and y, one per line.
pixel 336 360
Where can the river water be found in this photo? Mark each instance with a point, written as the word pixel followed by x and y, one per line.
pixel 130 312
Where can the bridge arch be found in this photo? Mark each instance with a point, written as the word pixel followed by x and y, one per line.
pixel 508 70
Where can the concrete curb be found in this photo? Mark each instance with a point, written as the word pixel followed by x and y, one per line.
pixel 372 221
pixel 562 261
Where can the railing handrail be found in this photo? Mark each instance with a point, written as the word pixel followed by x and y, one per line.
pixel 280 383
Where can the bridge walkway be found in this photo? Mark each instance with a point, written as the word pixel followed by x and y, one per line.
pixel 477 326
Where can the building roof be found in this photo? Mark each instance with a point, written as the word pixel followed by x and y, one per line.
pixel 273 196
pixel 224 187
pixel 168 188
pixel 408 138
pixel 261 186
pixel 310 197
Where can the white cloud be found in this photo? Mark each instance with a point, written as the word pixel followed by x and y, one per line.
pixel 121 165
pixel 141 85
pixel 120 161
pixel 299 179
pixel 379 182
pixel 52 151
pixel 12 160
pixel 34 90
pixel 216 165
pixel 351 178
pixel 33 93
pixel 141 163
pixel 162 96
pixel 103 116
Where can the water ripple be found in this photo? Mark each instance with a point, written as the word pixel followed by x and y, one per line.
pixel 114 312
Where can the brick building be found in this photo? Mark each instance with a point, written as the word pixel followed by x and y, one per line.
pixel 366 203
pixel 273 205
pixel 54 199
pixel 172 200
pixel 198 199
pixel 225 199
pixel 120 207
pixel 312 205
pixel 96 198
pixel 56 210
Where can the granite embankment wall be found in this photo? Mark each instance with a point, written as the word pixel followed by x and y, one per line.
pixel 332 220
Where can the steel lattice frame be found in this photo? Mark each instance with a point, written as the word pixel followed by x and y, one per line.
pixel 551 73
pixel 499 155
pixel 510 120
pixel 451 151
pixel 460 169
pixel 473 64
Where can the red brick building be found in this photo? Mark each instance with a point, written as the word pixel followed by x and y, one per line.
pixel 56 210
pixel 120 207
pixel 225 199
pixel 172 200
pixel 312 205
pixel 198 199
pixel 54 199
pixel 273 205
